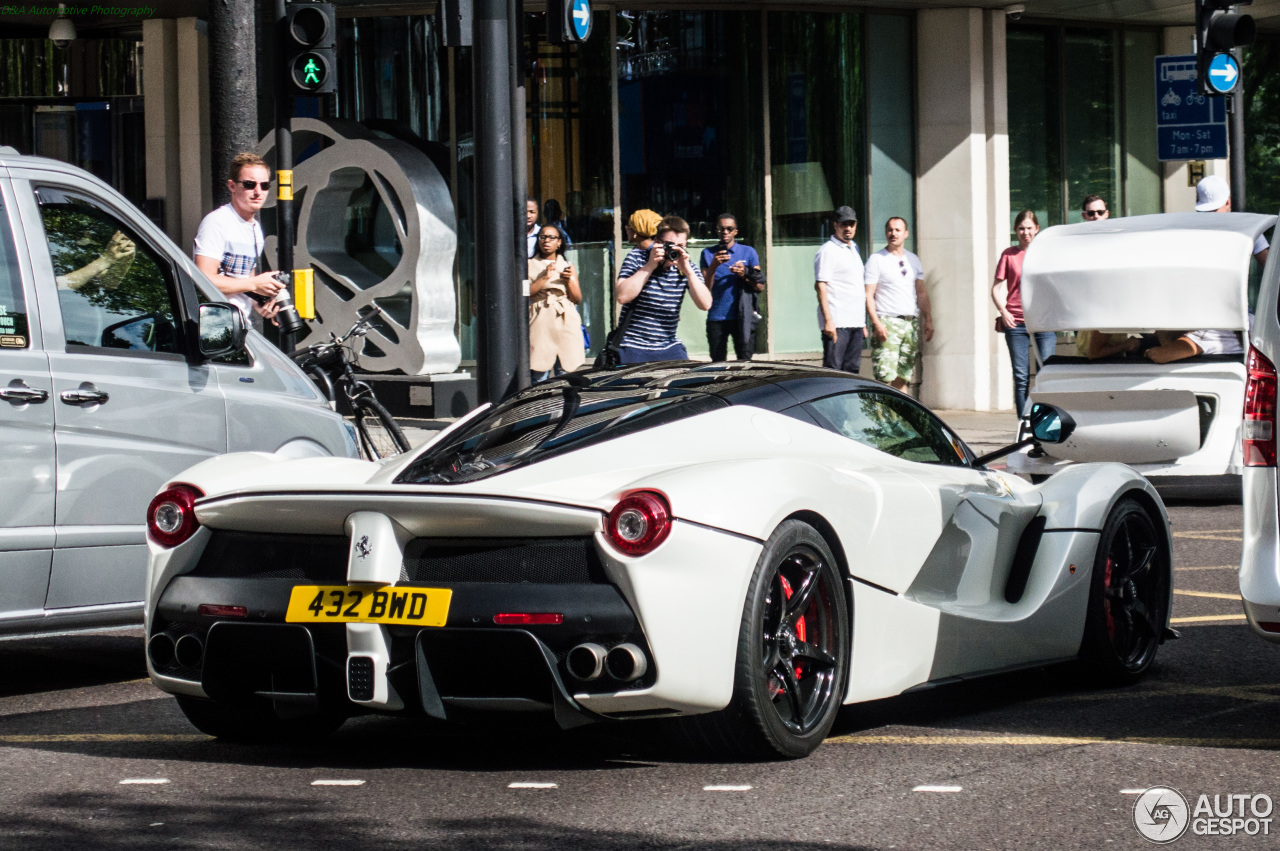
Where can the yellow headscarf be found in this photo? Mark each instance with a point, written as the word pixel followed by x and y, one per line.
pixel 644 223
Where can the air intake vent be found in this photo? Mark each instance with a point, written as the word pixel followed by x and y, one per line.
pixel 555 561
pixel 250 555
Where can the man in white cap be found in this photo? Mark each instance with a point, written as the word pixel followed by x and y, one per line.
pixel 1213 195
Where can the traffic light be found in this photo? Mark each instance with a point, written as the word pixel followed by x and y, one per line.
pixel 568 21
pixel 1219 29
pixel 310 48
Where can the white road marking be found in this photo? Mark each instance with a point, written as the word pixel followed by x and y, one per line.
pixel 337 782
pixel 528 785
pixel 1132 791
pixel 157 824
pixel 726 788
pixel 144 781
pixel 936 789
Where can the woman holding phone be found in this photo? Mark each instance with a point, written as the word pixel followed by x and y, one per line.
pixel 555 328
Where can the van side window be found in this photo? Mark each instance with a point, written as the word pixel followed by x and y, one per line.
pixel 892 424
pixel 113 292
pixel 13 304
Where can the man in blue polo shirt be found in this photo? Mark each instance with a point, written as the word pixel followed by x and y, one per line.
pixel 733 304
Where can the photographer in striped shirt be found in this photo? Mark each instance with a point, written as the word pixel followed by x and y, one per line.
pixel 651 286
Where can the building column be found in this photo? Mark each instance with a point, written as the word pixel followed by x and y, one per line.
pixel 962 193
pixel 176 113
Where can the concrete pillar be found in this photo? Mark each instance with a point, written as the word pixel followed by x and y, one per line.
pixel 962 195
pixel 176 115
pixel 1179 190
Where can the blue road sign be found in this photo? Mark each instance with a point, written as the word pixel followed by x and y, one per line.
pixel 1223 73
pixel 1189 125
pixel 582 19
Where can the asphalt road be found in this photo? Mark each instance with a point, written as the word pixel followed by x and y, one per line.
pixel 92 756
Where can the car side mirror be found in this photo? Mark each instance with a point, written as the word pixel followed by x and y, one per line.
pixel 1049 424
pixel 222 330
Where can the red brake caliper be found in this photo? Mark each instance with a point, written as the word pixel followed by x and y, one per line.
pixel 1106 601
pixel 800 628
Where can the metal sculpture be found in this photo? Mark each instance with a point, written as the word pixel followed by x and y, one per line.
pixel 412 282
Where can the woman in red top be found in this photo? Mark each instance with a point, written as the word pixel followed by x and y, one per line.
pixel 1006 292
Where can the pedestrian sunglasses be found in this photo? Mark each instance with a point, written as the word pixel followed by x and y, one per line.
pixel 548 236
pixel 902 264
pixel 847 224
pixel 726 230
pixel 1094 212
pixel 249 184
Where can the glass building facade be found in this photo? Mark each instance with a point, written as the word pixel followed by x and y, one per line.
pixel 1082 120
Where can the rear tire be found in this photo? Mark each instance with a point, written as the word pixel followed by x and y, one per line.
pixel 793 654
pixel 1128 596
pixel 380 437
pixel 255 722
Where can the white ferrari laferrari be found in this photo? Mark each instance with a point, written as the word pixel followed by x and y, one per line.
pixel 740 547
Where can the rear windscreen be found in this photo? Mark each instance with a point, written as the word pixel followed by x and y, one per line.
pixel 535 426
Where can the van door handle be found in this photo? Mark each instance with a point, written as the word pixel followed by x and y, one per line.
pixel 84 396
pixel 20 392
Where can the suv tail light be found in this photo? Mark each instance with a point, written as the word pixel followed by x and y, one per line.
pixel 171 517
pixel 639 523
pixel 1258 432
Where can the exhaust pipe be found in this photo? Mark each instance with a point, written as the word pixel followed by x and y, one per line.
pixel 160 650
pixel 188 651
pixel 586 661
pixel 626 662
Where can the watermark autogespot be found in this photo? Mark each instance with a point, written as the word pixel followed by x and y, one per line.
pixel 1162 814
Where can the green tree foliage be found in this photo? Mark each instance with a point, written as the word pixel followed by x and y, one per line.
pixel 1262 125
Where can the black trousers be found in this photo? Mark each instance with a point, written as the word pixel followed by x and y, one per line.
pixel 718 333
pixel 845 351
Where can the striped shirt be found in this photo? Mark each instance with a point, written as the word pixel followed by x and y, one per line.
pixel 657 308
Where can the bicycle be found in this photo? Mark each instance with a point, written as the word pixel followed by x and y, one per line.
pixel 329 365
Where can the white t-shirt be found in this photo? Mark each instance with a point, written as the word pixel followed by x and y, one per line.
pixel 1217 342
pixel 838 264
pixel 895 279
pixel 1260 244
pixel 236 244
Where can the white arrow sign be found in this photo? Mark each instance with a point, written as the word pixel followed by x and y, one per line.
pixel 1228 74
pixel 582 14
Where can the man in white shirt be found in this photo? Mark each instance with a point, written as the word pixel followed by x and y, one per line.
pixel 531 223
pixel 838 274
pixel 897 304
pixel 230 241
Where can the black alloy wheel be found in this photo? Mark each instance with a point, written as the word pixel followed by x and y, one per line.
pixel 1128 595
pixel 793 653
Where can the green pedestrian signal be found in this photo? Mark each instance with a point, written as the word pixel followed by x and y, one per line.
pixel 308 42
pixel 310 71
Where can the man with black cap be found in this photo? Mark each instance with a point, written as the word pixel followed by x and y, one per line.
pixel 842 301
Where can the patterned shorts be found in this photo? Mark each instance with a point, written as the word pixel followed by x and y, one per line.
pixel 895 357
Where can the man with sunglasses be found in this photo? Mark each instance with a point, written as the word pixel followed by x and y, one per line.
pixel 1094 209
pixel 897 307
pixel 729 267
pixel 230 241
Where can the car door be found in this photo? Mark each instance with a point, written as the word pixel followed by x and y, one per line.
pixel 130 408
pixel 26 435
pixel 982 521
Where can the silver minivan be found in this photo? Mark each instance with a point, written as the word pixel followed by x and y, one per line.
pixel 113 379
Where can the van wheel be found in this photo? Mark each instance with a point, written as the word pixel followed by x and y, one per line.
pixel 793 654
pixel 1128 595
pixel 256 722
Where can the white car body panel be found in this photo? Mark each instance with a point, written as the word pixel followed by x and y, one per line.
pixel 1260 553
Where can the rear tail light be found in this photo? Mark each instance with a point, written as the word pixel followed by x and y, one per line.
pixel 171 517
pixel 639 523
pixel 528 618
pixel 1258 431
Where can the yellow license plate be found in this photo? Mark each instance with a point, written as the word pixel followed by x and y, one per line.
pixel 369 604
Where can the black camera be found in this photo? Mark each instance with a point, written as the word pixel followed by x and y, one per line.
pixel 722 245
pixel 289 320
pixel 671 251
